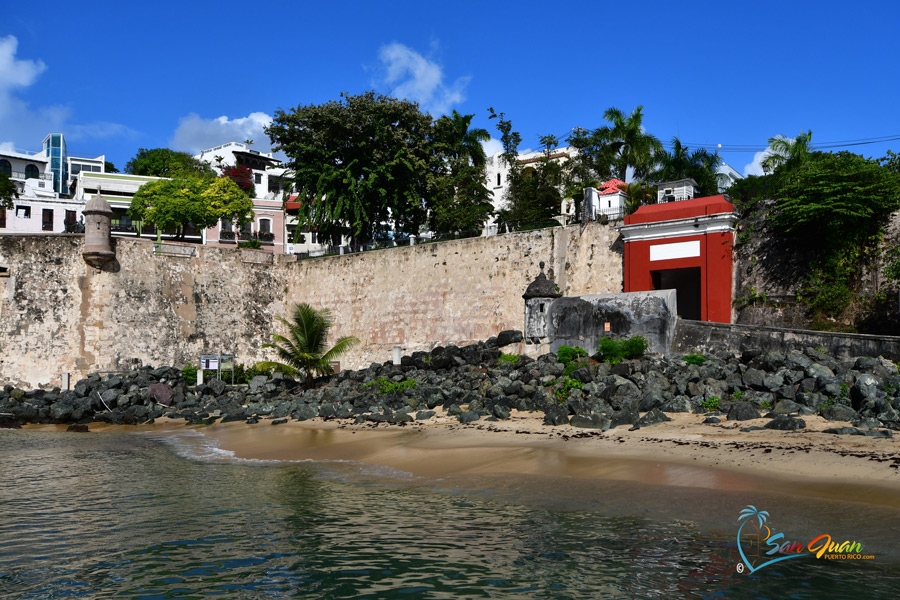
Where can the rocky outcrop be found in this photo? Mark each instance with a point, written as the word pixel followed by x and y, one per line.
pixel 477 382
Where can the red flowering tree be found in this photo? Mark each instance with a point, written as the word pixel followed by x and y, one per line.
pixel 243 177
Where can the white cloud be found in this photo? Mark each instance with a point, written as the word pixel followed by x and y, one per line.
pixel 13 71
pixel 23 126
pixel 755 167
pixel 492 147
pixel 194 133
pixel 413 77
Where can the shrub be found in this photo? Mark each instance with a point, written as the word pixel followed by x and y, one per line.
pixel 251 244
pixel 567 386
pixel 510 358
pixel 613 350
pixel 189 374
pixel 386 386
pixel 694 359
pixel 567 354
pixel 711 404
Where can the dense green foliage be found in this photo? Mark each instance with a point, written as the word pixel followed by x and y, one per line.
pixel 303 350
pixel 371 163
pixel 171 204
pixel 614 350
pixel 509 358
pixel 163 162
pixel 109 167
pixel 837 196
pixel 8 193
pixel 567 354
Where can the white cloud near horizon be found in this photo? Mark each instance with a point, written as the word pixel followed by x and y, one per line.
pixel 194 133
pixel 23 126
pixel 411 76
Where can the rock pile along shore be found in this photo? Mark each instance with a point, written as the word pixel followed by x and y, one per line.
pixel 480 382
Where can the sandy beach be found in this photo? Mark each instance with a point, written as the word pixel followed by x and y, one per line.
pixel 684 452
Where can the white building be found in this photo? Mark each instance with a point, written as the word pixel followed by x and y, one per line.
pixel 726 175
pixel 44 182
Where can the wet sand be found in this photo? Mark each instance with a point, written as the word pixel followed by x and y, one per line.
pixel 681 453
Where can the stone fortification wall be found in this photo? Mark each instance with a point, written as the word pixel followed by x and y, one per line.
pixel 699 336
pixel 58 315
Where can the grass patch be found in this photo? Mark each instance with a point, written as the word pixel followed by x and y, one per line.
pixel 694 359
pixel 510 358
pixel 711 404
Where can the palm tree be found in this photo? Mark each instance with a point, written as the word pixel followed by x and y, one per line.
pixel 462 142
pixel 787 151
pixel 699 165
pixel 628 144
pixel 748 513
pixel 302 351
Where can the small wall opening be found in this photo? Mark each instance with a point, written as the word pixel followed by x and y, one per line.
pixel 686 283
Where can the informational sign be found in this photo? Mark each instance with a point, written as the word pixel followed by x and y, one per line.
pixel 226 362
pixel 209 362
pixel 606 326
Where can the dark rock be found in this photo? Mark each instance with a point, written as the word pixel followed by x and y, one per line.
pixel 885 433
pixel 653 417
pixel 593 421
pixel 78 428
pixel 742 411
pixel 258 382
pixel 279 421
pixel 424 415
pixel 751 428
pixel 786 423
pixel 712 420
pixel 838 412
pixel 786 407
pixel 556 415
pixel 161 393
pixel 252 420
pixel 500 412
pixel 468 416
pixel 306 412
pixel 454 410
pixel 510 336
pixel 624 417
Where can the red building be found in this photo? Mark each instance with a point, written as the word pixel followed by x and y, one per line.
pixel 685 245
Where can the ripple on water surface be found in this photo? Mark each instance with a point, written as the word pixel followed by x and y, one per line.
pixel 172 516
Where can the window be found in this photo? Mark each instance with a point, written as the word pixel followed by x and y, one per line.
pixel 31 172
pixel 47 219
pixel 2 218
pixel 257 178
pixel 226 225
pixel 76 168
pixel 70 217
pixel 5 167
pixel 498 178
pixel 23 212
pixel 265 226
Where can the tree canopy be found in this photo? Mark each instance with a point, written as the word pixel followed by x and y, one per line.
pixel 699 165
pixel 163 162
pixel 173 203
pixel 836 196
pixel 362 161
pixel 609 151
pixel 8 192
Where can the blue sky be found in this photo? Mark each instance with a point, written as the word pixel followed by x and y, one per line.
pixel 115 77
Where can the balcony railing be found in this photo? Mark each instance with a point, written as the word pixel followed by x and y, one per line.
pixel 21 175
pixel 228 237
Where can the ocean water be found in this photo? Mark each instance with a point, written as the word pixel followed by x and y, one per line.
pixel 168 515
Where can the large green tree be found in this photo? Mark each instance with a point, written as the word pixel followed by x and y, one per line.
pixel 362 161
pixel 8 192
pixel 699 165
pixel 170 204
pixel 163 162
pixel 459 201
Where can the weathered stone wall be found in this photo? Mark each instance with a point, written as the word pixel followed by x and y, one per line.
pixel 700 336
pixel 58 315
